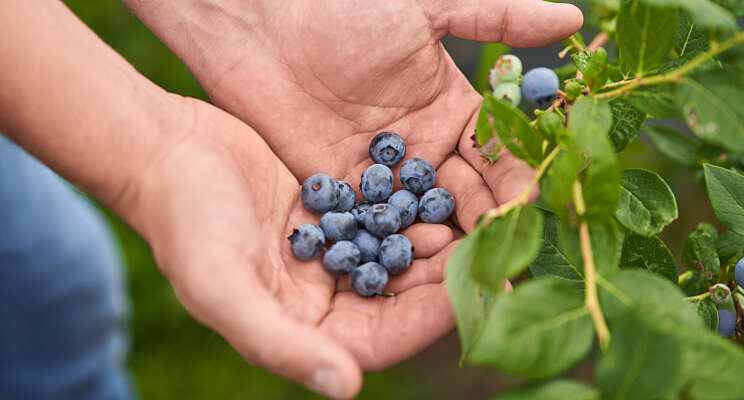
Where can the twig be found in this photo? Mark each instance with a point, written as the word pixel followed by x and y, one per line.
pixel 600 40
pixel 699 297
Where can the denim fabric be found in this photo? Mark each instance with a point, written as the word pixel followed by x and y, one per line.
pixel 63 321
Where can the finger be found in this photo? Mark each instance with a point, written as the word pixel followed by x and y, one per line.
pixel 428 239
pixel 519 23
pixel 383 331
pixel 472 196
pixel 243 312
pixel 422 272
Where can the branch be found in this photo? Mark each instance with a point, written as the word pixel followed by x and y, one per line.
pixel 599 41
pixel 699 297
pixel 590 272
pixel 674 76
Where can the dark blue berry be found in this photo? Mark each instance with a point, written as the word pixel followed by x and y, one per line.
pixel 540 85
pixel 739 273
pixel 346 196
pixel 407 205
pixel 396 254
pixel 387 148
pixel 307 241
pixel 320 193
pixel 341 258
pixel 368 244
pixel 369 279
pixel 359 210
pixel 338 226
pixel 382 220
pixel 726 323
pixel 377 183
pixel 436 205
pixel 417 175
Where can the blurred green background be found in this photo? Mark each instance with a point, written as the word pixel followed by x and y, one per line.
pixel 175 357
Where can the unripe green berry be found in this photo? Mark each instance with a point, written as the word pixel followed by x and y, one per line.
pixel 509 92
pixel 720 293
pixel 573 90
pixel 508 68
pixel 550 125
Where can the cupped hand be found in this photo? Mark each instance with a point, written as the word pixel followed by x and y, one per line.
pixel 217 209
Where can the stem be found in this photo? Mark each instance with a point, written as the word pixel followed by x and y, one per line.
pixel 684 276
pixel 699 297
pixel 599 41
pixel 576 44
pixel 590 272
pixel 523 197
pixel 676 74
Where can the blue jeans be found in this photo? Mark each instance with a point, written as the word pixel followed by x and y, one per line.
pixel 63 310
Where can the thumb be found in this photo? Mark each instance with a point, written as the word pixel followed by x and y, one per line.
pixel 519 23
pixel 256 325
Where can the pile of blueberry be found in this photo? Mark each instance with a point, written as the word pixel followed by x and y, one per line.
pixel 365 242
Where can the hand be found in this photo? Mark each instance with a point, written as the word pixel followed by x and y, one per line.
pixel 217 209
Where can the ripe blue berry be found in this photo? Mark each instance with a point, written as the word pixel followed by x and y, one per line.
pixel 377 183
pixel 307 241
pixel 341 258
pixel 369 279
pixel 739 273
pixel 346 196
pixel 338 226
pixel 382 220
pixel 720 293
pixel 417 175
pixel 540 85
pixel 320 193
pixel 368 244
pixel 387 148
pixel 407 205
pixel 436 205
pixel 359 210
pixel 396 254
pixel 726 323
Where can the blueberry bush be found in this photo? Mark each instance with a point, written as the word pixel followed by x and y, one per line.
pixel 594 277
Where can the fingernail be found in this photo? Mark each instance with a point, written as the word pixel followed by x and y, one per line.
pixel 327 382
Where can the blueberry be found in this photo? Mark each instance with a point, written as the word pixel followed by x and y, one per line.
pixel 359 210
pixel 387 148
pixel 368 244
pixel 320 193
pixel 436 205
pixel 382 220
pixel 508 91
pixel 377 183
pixel 540 85
pixel 346 196
pixel 726 323
pixel 338 226
pixel 739 273
pixel 369 279
pixel 720 293
pixel 396 254
pixel 417 175
pixel 341 258
pixel 307 241
pixel 407 205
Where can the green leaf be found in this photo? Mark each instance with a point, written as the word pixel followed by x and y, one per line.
pixel 560 389
pixel 657 102
pixel 627 123
pixel 715 366
pixel 507 246
pixel 469 301
pixel 606 240
pixel 697 283
pixel 539 330
pixel 679 147
pixel 703 12
pixel 581 59
pixel 590 122
pixel 726 193
pixel 699 251
pixel 560 178
pixel 730 246
pixel 734 6
pixel 650 253
pixel 512 127
pixel 710 106
pixel 706 309
pixel 645 34
pixel 553 260
pixel 647 204
pixel 689 40
pixel 489 54
pixel 642 362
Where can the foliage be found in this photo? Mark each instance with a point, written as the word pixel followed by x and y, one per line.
pixel 600 267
